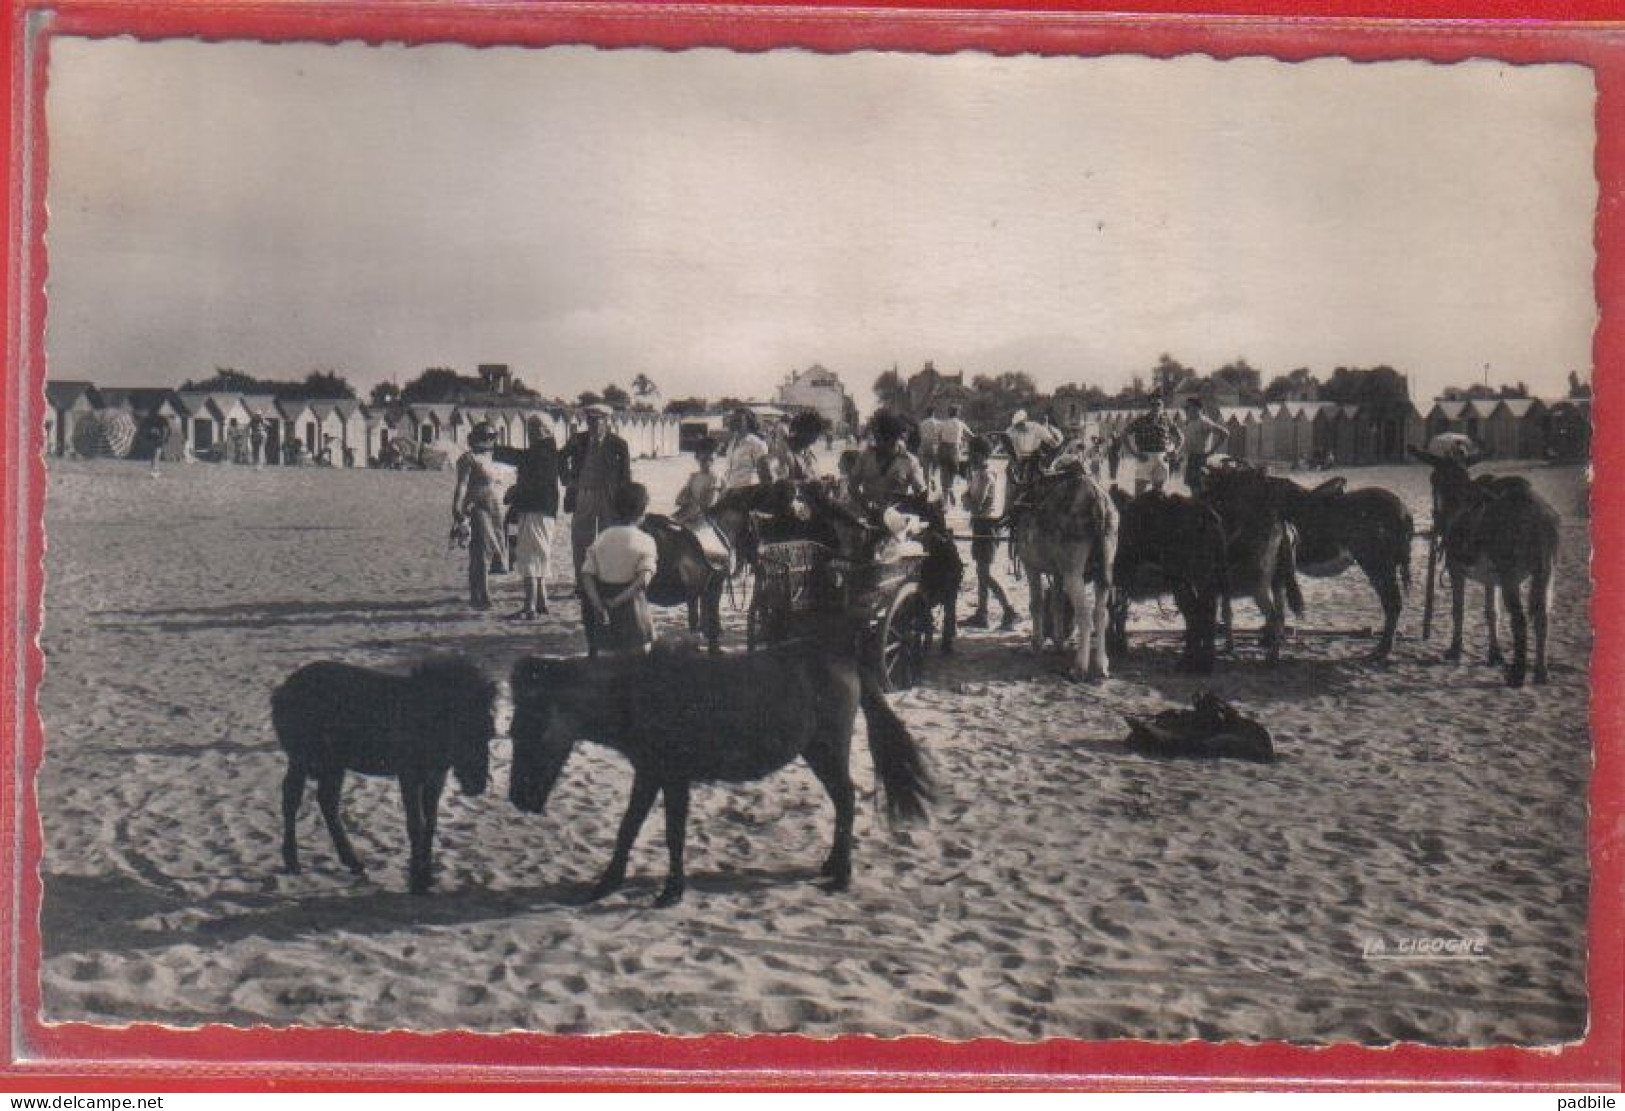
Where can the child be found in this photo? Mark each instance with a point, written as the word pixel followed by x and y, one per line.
pixel 980 499
pixel 699 494
pixel 615 575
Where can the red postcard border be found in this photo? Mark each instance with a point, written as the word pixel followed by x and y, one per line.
pixel 83 1057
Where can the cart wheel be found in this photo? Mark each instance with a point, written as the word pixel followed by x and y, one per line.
pixel 904 635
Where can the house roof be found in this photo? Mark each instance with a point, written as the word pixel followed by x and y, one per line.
pixel 260 404
pixel 441 412
pixel 1519 406
pixel 1482 407
pixel 1450 410
pixel 63 392
pixel 139 399
pixel 292 408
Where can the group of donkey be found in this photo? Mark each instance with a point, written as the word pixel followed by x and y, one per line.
pixel 1249 534
pixel 679 717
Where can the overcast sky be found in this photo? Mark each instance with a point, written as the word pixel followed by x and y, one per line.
pixel 714 219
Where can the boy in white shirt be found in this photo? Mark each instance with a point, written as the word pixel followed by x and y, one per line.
pixel 615 576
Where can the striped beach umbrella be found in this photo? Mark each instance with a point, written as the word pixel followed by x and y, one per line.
pixel 106 434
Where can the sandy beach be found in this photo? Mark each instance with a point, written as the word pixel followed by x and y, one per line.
pixel 1064 887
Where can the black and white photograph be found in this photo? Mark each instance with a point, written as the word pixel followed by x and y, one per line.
pixel 583 541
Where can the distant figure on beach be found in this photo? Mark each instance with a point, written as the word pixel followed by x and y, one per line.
pixel 256 440
pixel 1203 436
pixel 952 435
pixel 595 465
pixel 154 435
pixel 534 503
pixel 927 431
pixel 745 459
pixel 1149 438
pixel 615 578
pixel 475 503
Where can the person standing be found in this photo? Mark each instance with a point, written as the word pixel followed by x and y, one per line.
pixel 476 505
pixel 256 440
pixel 952 433
pixel 1203 437
pixel 1026 438
pixel 745 460
pixel 595 465
pixel 534 503
pixel 981 501
pixel 928 430
pixel 1149 438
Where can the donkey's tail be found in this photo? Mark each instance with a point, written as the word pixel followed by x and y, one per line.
pixel 899 763
pixel 1402 550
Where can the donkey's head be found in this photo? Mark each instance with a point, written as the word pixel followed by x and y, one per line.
pixel 543 736
pixel 452 710
pixel 1452 483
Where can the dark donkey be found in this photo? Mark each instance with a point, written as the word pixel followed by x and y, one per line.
pixel 689 575
pixel 1260 549
pixel 1369 527
pixel 1168 544
pixel 682 719
pixel 331 718
pixel 1497 531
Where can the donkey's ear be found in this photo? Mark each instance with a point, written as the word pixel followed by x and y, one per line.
pixel 1425 456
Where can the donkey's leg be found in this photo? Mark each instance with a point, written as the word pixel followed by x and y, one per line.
pixel 1101 667
pixel 644 790
pixel 293 793
pixel 1493 657
pixel 712 603
pixel 1520 630
pixel 1385 581
pixel 830 767
pixel 693 615
pixel 430 796
pixel 1228 617
pixel 327 797
pixel 1540 585
pixel 1458 604
pixel 1036 607
pixel 676 835
pixel 1274 621
pixel 950 623
pixel 1076 591
pixel 412 802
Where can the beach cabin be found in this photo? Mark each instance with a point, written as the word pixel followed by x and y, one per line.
pixel 329 446
pixel 1446 416
pixel 1516 429
pixel 300 426
pixel 148 407
pixel 432 423
pixel 352 442
pixel 263 408
pixel 68 401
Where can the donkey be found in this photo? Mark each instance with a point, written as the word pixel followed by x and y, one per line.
pixel 331 718
pixel 1065 526
pixel 1369 527
pixel 682 718
pixel 687 574
pixel 1170 544
pixel 1495 530
pixel 1260 550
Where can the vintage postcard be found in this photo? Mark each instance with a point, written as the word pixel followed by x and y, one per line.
pixel 1072 541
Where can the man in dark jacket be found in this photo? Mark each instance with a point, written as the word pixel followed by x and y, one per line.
pixel 533 505
pixel 594 465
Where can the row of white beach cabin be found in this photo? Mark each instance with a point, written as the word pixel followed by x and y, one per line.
pixel 217 424
pixel 1293 431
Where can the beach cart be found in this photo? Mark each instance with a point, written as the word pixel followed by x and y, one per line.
pixel 804 588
